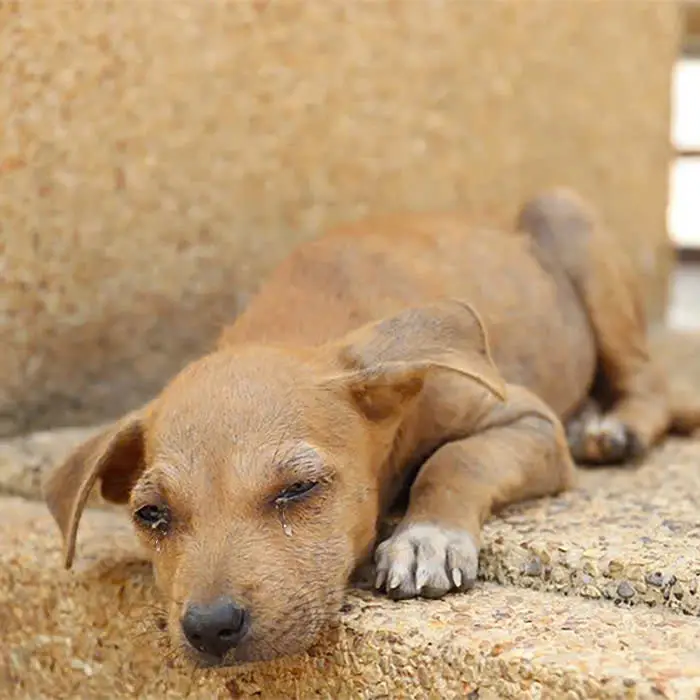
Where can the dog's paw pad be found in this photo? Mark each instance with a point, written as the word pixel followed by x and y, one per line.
pixel 427 561
pixel 604 441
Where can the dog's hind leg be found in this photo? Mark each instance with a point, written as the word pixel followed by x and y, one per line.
pixel 596 438
pixel 631 388
pixel 685 415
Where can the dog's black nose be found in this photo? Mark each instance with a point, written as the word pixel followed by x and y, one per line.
pixel 216 627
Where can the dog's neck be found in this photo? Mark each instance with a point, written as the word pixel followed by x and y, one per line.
pixel 446 410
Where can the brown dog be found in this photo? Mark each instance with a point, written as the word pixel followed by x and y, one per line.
pixel 259 476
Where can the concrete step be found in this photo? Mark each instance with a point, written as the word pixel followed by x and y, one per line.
pixel 25 459
pixel 85 634
pixel 628 535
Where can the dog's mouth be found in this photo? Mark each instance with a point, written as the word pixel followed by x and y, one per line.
pixel 176 649
pixel 251 649
pixel 202 660
pixel 287 633
pixel 247 653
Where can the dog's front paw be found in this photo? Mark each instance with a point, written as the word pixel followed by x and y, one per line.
pixel 426 560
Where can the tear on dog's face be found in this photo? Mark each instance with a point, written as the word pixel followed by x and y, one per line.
pixel 256 479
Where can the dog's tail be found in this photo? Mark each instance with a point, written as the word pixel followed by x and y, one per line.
pixel 561 224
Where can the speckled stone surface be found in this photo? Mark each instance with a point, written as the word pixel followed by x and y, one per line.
pixel 631 536
pixel 85 635
pixel 26 459
pixel 158 157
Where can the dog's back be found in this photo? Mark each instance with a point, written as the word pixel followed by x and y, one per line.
pixel 375 268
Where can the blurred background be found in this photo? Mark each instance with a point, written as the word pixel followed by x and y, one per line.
pixel 158 157
pixel 684 195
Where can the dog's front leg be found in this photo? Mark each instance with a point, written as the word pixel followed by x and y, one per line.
pixel 518 451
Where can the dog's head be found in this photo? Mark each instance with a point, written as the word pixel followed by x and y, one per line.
pixel 254 478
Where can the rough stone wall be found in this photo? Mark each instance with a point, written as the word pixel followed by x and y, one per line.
pixel 158 157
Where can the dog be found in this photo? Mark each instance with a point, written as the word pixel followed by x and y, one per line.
pixel 414 356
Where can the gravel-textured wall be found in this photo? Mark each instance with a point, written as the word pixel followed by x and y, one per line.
pixel 158 156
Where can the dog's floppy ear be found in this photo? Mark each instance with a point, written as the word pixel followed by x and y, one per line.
pixel 115 456
pixel 386 363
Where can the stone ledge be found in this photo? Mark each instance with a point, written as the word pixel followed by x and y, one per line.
pixel 81 635
pixel 628 535
pixel 25 459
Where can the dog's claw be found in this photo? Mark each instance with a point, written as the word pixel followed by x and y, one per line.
pixel 380 579
pixel 426 560
pixel 394 582
pixel 422 577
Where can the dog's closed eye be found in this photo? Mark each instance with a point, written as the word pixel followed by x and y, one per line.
pixel 295 492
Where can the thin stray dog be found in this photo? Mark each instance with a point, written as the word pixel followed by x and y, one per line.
pixel 409 354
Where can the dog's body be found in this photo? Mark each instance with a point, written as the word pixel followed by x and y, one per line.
pixel 376 269
pixel 260 474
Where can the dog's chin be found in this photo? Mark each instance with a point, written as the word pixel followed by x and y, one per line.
pixel 246 653
pixel 205 661
pixel 263 643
